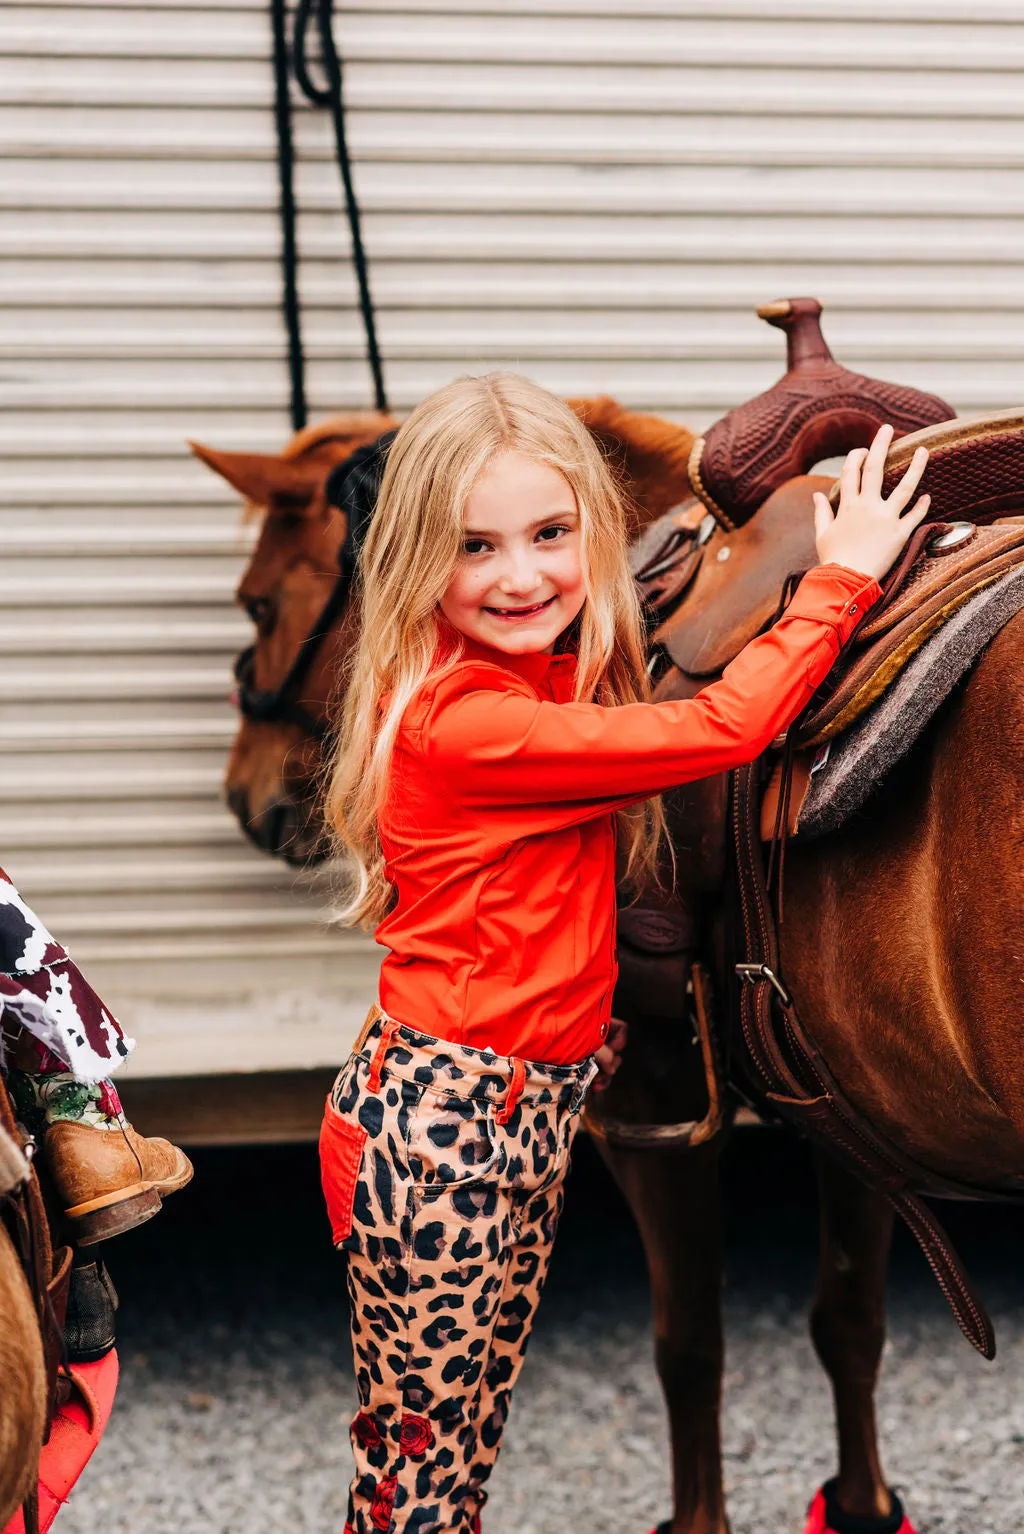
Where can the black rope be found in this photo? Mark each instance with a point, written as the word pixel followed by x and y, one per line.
pixel 330 96
pixel 286 180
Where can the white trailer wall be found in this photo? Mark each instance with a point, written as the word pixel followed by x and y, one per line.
pixel 595 191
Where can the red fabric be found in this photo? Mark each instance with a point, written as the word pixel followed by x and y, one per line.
pixel 341 1155
pixel 817 1522
pixel 387 1033
pixel 77 1429
pixel 514 1093
pixel 816 1514
pixel 499 833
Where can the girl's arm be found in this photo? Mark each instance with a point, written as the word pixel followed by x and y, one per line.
pixel 501 749
pixel 505 751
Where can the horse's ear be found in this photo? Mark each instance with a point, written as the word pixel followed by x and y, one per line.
pixel 263 477
pixel 649 453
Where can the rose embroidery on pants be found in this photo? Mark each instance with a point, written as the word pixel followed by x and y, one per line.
pixel 383 1504
pixel 416 1434
pixel 367 1432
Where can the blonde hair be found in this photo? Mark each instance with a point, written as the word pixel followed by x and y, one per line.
pixel 407 562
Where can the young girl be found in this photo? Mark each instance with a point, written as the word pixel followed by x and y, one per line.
pixel 497 746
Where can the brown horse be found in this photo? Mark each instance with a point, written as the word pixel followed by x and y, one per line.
pixel 272 769
pixel 880 945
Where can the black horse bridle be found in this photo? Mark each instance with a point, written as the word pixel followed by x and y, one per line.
pixel 352 486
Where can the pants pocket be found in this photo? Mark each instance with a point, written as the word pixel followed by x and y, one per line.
pixel 453 1142
pixel 341 1156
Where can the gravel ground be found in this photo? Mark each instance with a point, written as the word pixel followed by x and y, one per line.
pixel 237 1385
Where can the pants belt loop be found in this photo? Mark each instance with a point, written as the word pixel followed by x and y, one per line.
pixel 582 1085
pixel 514 1092
pixel 388 1032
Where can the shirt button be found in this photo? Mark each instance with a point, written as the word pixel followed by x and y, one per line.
pixel 853 609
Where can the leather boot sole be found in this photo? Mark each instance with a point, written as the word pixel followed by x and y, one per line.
pixel 98 1219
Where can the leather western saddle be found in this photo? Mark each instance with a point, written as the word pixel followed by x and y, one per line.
pixel 715 572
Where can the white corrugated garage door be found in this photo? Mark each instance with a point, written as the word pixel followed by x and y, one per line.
pixel 595 191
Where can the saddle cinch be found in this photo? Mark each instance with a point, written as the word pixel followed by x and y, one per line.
pixel 715 572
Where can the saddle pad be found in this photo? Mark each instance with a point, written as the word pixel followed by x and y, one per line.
pixel 926 598
pixel 860 759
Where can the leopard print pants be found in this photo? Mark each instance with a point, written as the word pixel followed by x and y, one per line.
pixel 443 1170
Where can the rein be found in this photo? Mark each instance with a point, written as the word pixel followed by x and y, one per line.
pixel 277 705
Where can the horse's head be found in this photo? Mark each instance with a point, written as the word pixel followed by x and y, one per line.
pixel 294 572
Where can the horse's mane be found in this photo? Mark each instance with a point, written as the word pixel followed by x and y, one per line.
pixel 337 428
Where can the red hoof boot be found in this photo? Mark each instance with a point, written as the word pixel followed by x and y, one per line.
pixel 825 1516
pixel 77 1429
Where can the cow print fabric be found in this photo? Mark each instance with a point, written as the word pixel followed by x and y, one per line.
pixel 43 990
pixel 451 1214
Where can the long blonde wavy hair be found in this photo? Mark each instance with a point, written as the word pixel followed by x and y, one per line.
pixel 407 562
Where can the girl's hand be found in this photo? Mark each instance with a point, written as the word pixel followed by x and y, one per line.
pixel 609 1056
pixel 867 533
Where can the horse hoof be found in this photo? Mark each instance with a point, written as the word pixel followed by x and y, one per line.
pixel 824 1516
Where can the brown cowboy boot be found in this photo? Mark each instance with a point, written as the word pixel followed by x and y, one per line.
pixel 110 1180
pixel 106 1176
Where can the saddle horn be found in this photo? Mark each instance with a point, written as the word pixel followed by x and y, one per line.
pixel 818 409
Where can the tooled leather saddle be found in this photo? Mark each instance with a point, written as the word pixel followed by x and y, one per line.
pixel 714 573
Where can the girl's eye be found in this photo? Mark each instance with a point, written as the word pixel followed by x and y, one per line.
pixel 551 534
pixel 475 545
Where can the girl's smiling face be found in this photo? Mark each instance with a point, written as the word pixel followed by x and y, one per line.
pixel 518 581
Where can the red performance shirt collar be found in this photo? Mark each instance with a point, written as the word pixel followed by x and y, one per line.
pixel 535 669
pixel 532 668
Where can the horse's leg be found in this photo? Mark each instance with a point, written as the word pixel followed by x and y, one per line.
pixel 675 1201
pixel 848 1327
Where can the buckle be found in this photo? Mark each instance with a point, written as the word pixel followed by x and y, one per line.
pixel 752 973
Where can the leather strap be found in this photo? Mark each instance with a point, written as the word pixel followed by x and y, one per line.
pixel 787 1070
pixel 688 1133
pixel 24 1214
pixel 665 558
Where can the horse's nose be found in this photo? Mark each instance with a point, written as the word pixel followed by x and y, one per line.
pixel 263 829
pixel 284 828
pixel 238 804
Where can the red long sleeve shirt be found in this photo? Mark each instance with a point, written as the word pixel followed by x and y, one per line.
pixel 498 826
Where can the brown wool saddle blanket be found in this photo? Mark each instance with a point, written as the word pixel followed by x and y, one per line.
pixel 848 768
